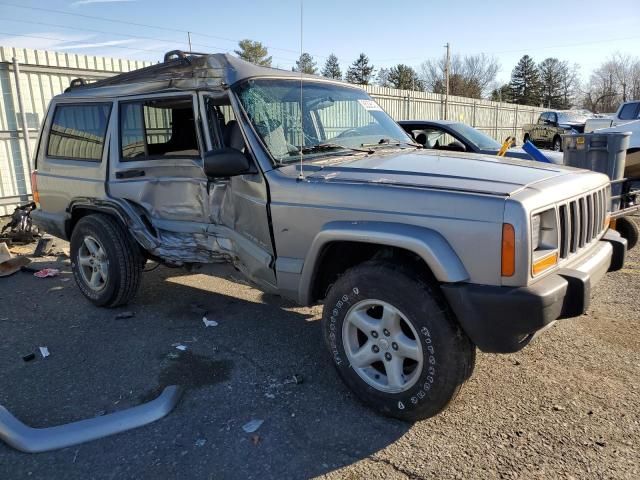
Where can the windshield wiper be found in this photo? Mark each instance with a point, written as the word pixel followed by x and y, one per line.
pixel 324 147
pixel 390 141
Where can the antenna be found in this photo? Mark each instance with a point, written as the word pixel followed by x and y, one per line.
pixel 301 175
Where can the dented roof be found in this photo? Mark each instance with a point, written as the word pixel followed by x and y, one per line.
pixel 215 71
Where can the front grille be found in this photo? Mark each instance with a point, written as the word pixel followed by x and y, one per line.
pixel 581 221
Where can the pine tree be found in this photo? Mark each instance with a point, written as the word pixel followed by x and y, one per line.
pixel 551 75
pixel 525 82
pixel 404 77
pixel 502 94
pixel 382 79
pixel 360 72
pixel 305 64
pixel 253 52
pixel 331 68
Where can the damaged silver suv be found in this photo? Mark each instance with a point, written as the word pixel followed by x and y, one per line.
pixel 310 189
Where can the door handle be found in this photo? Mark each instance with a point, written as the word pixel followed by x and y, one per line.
pixel 130 174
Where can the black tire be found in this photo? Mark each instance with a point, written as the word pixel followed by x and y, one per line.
pixel 124 260
pixel 448 354
pixel 557 144
pixel 527 138
pixel 628 228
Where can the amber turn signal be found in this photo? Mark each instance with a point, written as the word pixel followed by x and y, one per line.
pixel 508 250
pixel 544 263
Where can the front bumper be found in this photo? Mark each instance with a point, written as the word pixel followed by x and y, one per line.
pixel 505 319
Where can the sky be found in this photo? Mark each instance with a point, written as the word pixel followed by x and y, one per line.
pixel 583 32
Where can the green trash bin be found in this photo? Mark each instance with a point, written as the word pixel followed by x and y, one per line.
pixel 599 152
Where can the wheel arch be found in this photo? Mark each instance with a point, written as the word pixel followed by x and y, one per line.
pixel 341 245
pixel 142 231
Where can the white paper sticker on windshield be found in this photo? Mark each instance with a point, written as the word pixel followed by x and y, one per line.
pixel 370 105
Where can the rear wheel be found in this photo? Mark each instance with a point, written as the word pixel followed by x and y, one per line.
pixel 526 138
pixel 106 262
pixel 557 144
pixel 394 341
pixel 628 228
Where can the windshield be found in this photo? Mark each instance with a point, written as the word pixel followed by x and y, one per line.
pixel 572 117
pixel 335 119
pixel 476 137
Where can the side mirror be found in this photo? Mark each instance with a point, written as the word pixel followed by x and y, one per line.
pixel 225 162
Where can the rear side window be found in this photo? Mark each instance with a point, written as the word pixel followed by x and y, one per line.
pixel 629 111
pixel 157 129
pixel 78 131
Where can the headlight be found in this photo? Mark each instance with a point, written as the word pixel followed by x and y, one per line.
pixel 544 241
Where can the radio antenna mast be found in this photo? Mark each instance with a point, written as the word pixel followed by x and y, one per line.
pixel 301 175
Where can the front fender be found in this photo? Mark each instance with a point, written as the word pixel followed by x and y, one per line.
pixel 424 242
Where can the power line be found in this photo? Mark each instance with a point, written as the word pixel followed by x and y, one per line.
pixel 594 42
pixel 136 24
pixel 66 41
pixel 137 37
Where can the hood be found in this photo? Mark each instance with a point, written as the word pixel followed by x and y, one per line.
pixel 466 172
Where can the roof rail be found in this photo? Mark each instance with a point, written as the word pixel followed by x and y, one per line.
pixel 181 55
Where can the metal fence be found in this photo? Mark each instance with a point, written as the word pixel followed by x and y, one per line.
pixel 42 74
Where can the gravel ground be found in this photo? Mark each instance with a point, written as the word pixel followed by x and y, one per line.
pixel 567 406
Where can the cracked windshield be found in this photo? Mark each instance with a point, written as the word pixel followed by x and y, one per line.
pixel 335 119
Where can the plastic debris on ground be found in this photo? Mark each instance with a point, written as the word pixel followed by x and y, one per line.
pixel 47 272
pixel 29 357
pixel 44 351
pixel 10 264
pixel 209 323
pixel 123 315
pixel 182 348
pixel 55 289
pixel 200 442
pixel 252 426
pixel 44 247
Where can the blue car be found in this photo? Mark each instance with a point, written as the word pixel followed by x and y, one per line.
pixel 459 137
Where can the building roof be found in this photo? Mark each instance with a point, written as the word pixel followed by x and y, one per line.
pixel 181 71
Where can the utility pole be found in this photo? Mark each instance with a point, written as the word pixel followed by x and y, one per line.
pixel 447 67
pixel 189 38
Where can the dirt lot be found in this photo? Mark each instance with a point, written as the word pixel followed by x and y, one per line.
pixel 568 406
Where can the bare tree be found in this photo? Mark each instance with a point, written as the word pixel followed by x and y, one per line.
pixel 616 80
pixel 470 76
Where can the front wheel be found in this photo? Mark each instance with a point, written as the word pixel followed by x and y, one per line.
pixel 394 341
pixel 629 230
pixel 557 144
pixel 106 262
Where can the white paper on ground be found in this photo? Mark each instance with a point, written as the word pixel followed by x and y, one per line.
pixel 209 323
pixel 44 351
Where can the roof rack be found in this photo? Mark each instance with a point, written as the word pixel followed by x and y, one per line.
pixel 181 55
pixel 77 82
